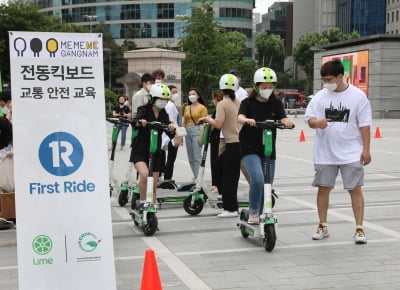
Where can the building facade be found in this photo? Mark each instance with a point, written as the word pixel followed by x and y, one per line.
pixel 392 17
pixel 377 72
pixel 279 20
pixel 150 22
pixel 367 17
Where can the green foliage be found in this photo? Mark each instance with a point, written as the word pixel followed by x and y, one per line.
pixel 285 81
pixel 20 16
pixel 111 101
pixel 210 50
pixel 119 66
pixel 304 55
pixel 270 51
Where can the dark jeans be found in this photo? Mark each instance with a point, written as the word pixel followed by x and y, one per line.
pixel 171 157
pixel 227 175
pixel 213 158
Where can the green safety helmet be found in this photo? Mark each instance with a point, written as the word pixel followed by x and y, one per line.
pixel 160 91
pixel 265 75
pixel 228 82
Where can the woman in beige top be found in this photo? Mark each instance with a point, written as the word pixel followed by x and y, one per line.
pixel 228 163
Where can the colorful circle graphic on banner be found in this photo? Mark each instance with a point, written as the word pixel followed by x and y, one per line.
pixel 61 153
pixel 42 244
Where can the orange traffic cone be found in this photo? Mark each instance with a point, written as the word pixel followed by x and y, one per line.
pixel 150 277
pixel 302 137
pixel 377 133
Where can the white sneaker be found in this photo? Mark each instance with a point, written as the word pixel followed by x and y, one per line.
pixel 359 237
pixel 254 219
pixel 227 213
pixel 321 233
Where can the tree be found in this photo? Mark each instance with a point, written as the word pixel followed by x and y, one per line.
pixel 19 16
pixel 119 66
pixel 270 50
pixel 210 51
pixel 304 55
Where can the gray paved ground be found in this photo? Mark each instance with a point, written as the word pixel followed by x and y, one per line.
pixel 206 252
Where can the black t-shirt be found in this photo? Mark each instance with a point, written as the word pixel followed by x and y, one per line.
pixel 140 145
pixel 251 139
pixel 124 109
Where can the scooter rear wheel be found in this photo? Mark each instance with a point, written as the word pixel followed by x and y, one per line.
pixel 195 209
pixel 151 226
pixel 244 216
pixel 123 197
pixel 270 237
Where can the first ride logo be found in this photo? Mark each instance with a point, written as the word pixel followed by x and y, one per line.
pixel 61 153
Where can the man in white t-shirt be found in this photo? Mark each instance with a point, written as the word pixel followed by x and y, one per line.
pixel 341 115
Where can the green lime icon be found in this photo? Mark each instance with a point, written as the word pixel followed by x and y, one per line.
pixel 42 244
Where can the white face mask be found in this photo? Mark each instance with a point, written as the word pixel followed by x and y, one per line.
pixel 148 87
pixel 160 104
pixel 175 97
pixel 192 98
pixel 265 94
pixel 157 81
pixel 330 87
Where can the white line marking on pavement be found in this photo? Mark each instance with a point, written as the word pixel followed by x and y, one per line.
pixel 187 276
pixel 384 175
pixel 386 152
pixel 345 217
pixel 183 272
pixel 294 246
pixel 6 268
pixel 228 251
pixel 292 158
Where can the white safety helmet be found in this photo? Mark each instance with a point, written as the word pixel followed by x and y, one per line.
pixel 265 75
pixel 228 82
pixel 160 91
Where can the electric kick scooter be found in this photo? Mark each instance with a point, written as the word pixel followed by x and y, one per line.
pixel 117 124
pixel 194 203
pixel 145 215
pixel 266 229
pixel 128 187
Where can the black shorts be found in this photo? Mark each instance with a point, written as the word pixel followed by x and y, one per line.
pixel 144 157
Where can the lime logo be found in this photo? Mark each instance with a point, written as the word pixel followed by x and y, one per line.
pixel 42 245
pixel 88 242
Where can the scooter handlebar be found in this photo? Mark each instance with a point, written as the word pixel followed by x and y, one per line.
pixel 158 125
pixel 271 124
pixel 116 121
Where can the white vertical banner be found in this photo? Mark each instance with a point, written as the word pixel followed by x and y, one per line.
pixel 64 231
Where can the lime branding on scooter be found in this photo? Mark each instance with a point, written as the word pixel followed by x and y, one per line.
pixel 266 228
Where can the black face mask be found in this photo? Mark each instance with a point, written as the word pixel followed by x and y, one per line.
pixel 122 103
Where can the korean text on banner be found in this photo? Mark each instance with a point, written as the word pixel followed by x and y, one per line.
pixel 64 233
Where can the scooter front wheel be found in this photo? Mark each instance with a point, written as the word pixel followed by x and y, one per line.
pixel 244 216
pixel 270 237
pixel 123 197
pixel 195 209
pixel 151 226
pixel 135 197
